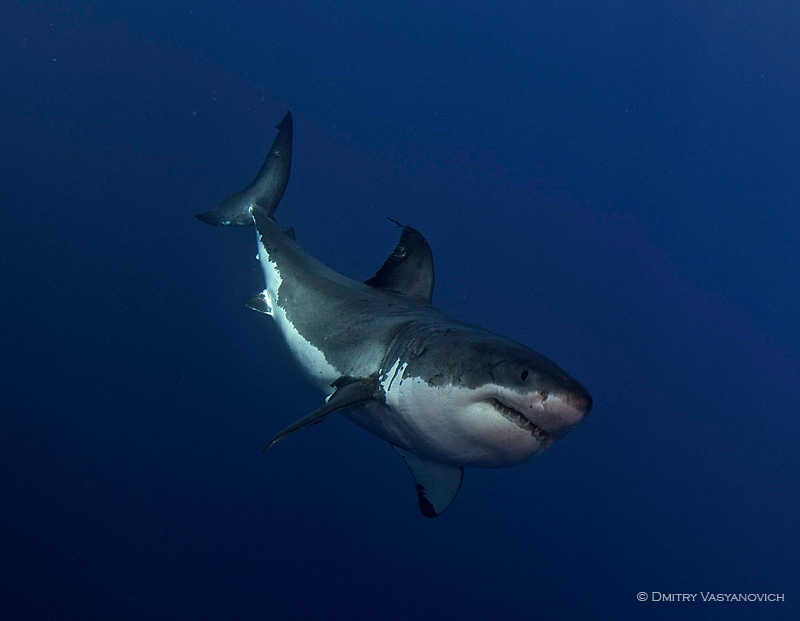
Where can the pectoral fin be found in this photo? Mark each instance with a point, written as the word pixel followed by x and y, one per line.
pixel 348 392
pixel 437 484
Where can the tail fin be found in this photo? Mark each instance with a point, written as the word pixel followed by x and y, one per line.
pixel 267 188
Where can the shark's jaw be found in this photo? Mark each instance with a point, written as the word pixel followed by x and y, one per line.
pixel 547 412
pixel 544 438
pixel 490 426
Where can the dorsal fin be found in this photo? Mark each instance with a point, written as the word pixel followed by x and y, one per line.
pixel 409 269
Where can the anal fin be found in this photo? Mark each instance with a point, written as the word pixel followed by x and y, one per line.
pixel 260 303
pixel 348 391
pixel 437 484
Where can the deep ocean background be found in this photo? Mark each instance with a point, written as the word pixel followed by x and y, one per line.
pixel 615 184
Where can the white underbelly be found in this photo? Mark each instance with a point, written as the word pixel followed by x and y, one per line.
pixel 445 424
pixel 311 360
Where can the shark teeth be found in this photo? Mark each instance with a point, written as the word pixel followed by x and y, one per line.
pixel 516 417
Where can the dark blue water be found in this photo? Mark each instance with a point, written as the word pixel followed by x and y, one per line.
pixel 615 184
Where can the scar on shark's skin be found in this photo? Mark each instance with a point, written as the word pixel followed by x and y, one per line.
pixel 445 394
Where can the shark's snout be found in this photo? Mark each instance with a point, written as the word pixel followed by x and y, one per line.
pixel 581 401
pixel 564 409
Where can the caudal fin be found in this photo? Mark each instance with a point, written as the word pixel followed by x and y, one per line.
pixel 266 190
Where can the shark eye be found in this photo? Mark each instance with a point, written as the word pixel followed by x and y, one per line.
pixel 524 375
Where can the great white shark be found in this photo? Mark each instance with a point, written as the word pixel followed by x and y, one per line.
pixel 445 394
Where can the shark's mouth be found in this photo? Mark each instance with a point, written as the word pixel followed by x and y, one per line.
pixel 516 417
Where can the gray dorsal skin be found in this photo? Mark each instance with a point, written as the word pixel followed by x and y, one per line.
pixel 267 188
pixel 445 394
pixel 409 269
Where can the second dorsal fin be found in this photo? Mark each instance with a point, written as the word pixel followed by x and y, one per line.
pixel 409 269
